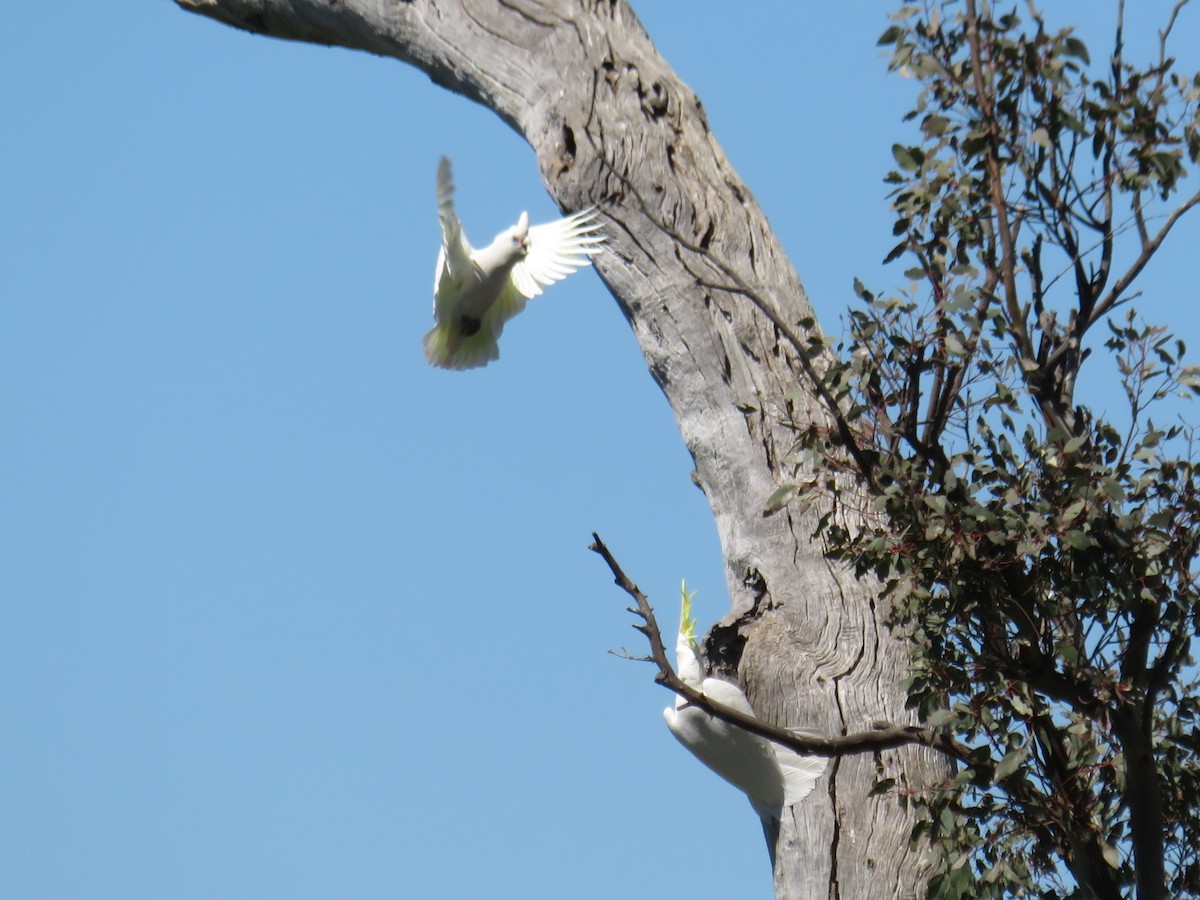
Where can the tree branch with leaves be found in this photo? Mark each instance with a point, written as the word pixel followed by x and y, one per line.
pixel 1042 557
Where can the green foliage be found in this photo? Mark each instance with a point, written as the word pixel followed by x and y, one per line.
pixel 1042 557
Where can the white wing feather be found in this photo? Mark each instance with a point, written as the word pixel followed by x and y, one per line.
pixel 557 249
pixel 800 773
pixel 454 255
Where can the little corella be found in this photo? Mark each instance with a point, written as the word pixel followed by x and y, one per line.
pixel 476 291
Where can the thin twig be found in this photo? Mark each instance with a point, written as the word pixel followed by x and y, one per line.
pixel 1007 251
pixel 1148 251
pixel 1166 32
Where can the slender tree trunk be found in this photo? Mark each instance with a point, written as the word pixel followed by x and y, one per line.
pixel 612 125
pixel 1143 793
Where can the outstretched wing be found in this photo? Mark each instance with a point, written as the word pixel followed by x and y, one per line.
pixel 555 250
pixel 454 256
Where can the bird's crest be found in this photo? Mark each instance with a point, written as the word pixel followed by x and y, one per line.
pixel 687 625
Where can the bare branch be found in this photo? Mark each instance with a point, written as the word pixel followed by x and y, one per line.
pixel 884 737
pixel 1166 32
pixel 1148 250
pixel 1008 256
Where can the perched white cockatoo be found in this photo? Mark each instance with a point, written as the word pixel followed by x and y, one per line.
pixel 772 776
pixel 476 291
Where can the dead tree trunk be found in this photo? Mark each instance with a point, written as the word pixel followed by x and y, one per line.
pixel 613 126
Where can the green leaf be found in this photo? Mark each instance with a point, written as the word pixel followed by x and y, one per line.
pixel 1078 539
pixel 882 786
pixel 1072 446
pixel 1071 513
pixel 935 126
pixel 1073 46
pixel 909 158
pixel 890 36
pixel 1112 489
pixel 1011 762
pixel 781 498
pixel 940 718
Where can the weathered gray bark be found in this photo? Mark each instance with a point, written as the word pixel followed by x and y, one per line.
pixel 613 126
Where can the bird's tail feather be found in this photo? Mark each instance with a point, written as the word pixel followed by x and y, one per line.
pixel 770 827
pixel 800 773
pixel 447 348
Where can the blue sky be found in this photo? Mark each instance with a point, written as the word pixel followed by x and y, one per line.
pixel 285 611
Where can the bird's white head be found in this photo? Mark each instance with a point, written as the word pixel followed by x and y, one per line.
pixel 519 235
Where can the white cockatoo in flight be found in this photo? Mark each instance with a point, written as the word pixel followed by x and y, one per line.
pixel 771 775
pixel 476 291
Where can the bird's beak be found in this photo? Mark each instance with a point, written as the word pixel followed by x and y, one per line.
pixel 523 231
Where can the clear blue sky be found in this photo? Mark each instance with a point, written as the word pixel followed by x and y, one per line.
pixel 284 612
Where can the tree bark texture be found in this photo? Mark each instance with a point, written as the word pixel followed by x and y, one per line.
pixel 613 126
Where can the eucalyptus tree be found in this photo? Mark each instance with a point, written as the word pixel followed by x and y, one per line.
pixel 1039 551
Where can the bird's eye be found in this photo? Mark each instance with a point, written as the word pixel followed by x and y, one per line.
pixel 516 241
